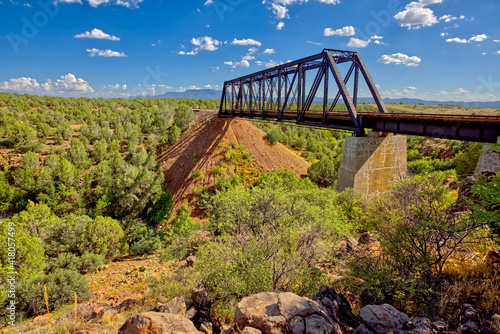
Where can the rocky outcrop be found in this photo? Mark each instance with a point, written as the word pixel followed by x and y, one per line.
pixel 273 313
pixel 338 308
pixel 157 323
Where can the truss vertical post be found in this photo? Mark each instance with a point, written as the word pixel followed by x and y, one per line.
pixel 223 98
pixel 325 94
pixel 355 90
pixel 264 79
pixel 251 96
pixel 299 94
pixel 232 98
pixel 278 110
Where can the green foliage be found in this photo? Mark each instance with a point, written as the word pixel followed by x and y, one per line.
pixel 273 135
pixel 162 209
pixel 67 261
pixel 180 227
pixel 325 171
pixel 141 238
pixel 270 237
pixel 61 286
pixel 416 228
pixel 71 180
pixel 78 155
pixel 104 236
pixel 90 262
pixel 466 161
pixel 272 262
pixel 485 203
pixel 382 283
pixel 284 179
pixel 20 251
pixel 196 174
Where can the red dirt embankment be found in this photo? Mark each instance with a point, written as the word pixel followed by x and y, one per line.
pixel 202 148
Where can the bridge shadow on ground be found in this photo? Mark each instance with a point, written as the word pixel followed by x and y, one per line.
pixel 191 152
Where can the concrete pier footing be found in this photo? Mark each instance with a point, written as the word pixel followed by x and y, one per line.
pixel 489 160
pixel 372 164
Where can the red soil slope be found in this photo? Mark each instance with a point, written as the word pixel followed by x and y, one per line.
pixel 201 146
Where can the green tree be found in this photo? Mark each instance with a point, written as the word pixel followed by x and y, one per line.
pixel 78 155
pixel 103 235
pixel 325 172
pixel 100 151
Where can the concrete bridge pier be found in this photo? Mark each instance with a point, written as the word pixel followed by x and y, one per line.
pixel 489 161
pixel 372 164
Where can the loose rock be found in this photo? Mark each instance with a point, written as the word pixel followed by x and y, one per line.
pixel 157 323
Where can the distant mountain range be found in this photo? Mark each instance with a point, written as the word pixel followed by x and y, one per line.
pixel 216 95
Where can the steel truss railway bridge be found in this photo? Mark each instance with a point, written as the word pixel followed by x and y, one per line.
pixel 271 94
pixel 370 163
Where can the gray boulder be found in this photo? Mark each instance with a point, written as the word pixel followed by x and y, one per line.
pixel 382 318
pixel 273 313
pixel 175 306
pixel 158 323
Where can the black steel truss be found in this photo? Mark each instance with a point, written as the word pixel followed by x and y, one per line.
pixel 270 93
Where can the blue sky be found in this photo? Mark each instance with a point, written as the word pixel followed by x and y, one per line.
pixel 430 49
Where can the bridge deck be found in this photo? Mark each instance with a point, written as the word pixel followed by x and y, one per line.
pixel 461 127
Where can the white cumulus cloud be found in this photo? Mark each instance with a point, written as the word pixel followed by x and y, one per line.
pixel 416 15
pixel 269 51
pixel 247 41
pixel 68 84
pixel 205 43
pixel 97 34
pixel 456 40
pixel 478 38
pixel 105 53
pixel 345 31
pixel 400 58
pixel 358 43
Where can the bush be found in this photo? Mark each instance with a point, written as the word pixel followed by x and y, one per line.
pixel 325 172
pixel 90 262
pixel 416 228
pixel 270 262
pixel 273 135
pixel 466 162
pixel 64 261
pixel 383 284
pixel 61 286
pixel 104 236
pixel 162 209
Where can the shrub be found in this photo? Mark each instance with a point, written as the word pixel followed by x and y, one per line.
pixel 162 209
pixel 325 172
pixel 382 283
pixel 61 286
pixel 270 262
pixel 485 203
pixel 104 236
pixel 416 228
pixel 273 135
pixel 64 261
pixel 90 262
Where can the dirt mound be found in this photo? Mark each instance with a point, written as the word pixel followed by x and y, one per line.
pixel 190 162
